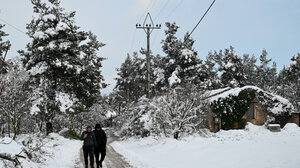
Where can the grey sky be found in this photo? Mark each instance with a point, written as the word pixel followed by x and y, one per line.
pixel 247 25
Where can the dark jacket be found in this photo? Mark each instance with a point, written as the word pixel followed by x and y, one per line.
pixel 101 138
pixel 90 140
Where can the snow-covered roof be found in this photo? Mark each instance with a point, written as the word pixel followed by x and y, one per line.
pixel 279 104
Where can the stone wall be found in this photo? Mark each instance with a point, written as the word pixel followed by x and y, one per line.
pixel 294 118
pixel 260 115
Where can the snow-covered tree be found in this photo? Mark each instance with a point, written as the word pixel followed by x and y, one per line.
pixel 62 63
pixel 178 112
pixel 3 43
pixel 283 83
pixel 212 81
pixel 158 86
pixel 266 75
pixel 174 114
pixel 131 80
pixel 230 66
pixel 295 80
pixel 249 69
pixel 182 65
pixel 15 99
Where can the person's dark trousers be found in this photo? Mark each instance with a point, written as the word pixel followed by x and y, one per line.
pixel 99 151
pixel 88 151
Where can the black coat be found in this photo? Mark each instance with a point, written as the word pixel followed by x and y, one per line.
pixel 90 140
pixel 101 138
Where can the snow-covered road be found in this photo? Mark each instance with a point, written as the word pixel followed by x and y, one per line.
pixel 112 159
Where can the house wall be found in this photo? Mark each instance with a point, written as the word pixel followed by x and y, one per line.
pixel 294 118
pixel 212 124
pixel 260 115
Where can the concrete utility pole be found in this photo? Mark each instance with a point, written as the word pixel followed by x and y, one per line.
pixel 148 28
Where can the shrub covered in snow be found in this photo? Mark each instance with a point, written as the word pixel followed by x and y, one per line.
pixel 232 108
pixel 169 115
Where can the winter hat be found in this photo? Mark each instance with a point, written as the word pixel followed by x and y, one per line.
pixel 97 126
pixel 88 127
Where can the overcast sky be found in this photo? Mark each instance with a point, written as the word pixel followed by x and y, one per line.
pixel 247 25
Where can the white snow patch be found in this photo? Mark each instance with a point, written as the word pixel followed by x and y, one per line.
pixel 110 114
pixel 66 152
pixel 65 101
pixel 9 146
pixel 255 146
pixel 174 78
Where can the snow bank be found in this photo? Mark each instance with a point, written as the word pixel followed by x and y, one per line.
pixel 54 151
pixel 65 152
pixel 253 147
pixel 9 146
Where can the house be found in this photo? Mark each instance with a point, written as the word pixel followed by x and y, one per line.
pixel 232 108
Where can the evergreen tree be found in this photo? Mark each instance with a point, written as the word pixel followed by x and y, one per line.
pixel 212 81
pixel 265 75
pixel 294 77
pixel 158 76
pixel 231 68
pixel 3 44
pixel 62 62
pixel 283 83
pixel 131 80
pixel 182 65
pixel 249 69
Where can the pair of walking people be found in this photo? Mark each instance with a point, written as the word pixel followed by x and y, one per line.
pixel 94 143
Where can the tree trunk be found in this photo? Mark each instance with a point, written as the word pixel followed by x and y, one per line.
pixel 49 127
pixel 176 134
pixel 8 126
pixel 14 124
pixel 18 127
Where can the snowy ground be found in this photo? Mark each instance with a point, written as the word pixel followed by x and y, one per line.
pixel 52 151
pixel 66 153
pixel 253 147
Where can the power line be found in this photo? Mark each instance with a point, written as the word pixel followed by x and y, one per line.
pixel 149 6
pixel 201 19
pixel 133 40
pixel 162 9
pixel 13 26
pixel 146 10
pixel 174 9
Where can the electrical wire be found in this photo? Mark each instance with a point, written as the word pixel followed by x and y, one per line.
pixel 146 10
pixel 133 41
pixel 200 20
pixel 13 26
pixel 161 10
pixel 174 9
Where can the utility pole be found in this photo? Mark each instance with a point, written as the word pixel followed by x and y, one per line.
pixel 148 28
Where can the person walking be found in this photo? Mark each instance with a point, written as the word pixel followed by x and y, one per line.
pixel 101 140
pixel 89 143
